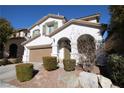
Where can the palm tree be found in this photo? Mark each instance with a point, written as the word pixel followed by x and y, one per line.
pixel 6 31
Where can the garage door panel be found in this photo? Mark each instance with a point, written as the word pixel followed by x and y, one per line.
pixel 37 54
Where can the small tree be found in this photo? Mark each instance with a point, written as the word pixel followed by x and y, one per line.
pixel 115 44
pixel 5 32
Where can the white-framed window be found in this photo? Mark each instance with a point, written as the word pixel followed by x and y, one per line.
pixel 36 32
pixel 49 27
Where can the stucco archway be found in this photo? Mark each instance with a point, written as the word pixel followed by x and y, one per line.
pixel 64 48
pixel 86 49
pixel 13 51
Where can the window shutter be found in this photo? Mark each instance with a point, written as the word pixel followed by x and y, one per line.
pixel 44 29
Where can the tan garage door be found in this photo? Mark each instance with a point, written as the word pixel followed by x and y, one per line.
pixel 37 54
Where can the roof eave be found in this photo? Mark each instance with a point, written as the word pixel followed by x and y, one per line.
pixel 39 46
pixel 95 25
pixel 25 42
pixel 46 17
pixel 91 16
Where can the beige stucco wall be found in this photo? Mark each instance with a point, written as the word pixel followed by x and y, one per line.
pixel 37 54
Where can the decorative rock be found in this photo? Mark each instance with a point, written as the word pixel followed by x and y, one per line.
pixel 104 82
pixel 113 86
pixel 88 80
pixel 95 70
pixel 101 57
pixel 69 79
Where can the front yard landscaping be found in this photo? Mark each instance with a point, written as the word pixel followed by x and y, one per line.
pixel 58 78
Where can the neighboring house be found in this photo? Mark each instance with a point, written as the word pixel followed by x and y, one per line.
pixel 54 35
pixel 13 48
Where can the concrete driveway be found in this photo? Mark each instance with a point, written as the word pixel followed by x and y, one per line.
pixel 8 73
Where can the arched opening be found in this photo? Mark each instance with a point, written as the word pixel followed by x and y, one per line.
pixel 13 51
pixel 64 48
pixel 86 49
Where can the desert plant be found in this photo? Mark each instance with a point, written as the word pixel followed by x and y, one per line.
pixel 24 72
pixel 116 64
pixel 69 64
pixel 50 63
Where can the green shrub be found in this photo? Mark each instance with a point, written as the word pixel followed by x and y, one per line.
pixel 50 63
pixel 24 72
pixel 4 61
pixel 69 64
pixel 1 62
pixel 116 64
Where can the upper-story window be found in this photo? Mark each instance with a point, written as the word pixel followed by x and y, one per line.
pixel 36 32
pixel 49 27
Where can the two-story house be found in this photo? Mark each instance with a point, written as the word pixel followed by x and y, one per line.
pixel 54 35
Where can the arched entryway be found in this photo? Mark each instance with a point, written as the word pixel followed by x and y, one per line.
pixel 13 51
pixel 64 48
pixel 86 49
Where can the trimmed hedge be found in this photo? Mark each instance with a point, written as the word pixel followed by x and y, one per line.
pixel 116 64
pixel 69 64
pixel 50 63
pixel 24 72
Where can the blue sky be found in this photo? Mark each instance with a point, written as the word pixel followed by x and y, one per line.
pixel 25 16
